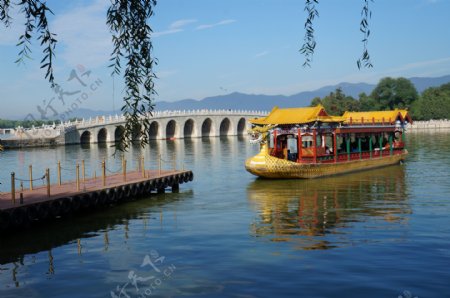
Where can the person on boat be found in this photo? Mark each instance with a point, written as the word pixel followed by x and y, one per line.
pixel 342 146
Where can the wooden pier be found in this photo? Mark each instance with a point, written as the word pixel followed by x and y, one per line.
pixel 23 208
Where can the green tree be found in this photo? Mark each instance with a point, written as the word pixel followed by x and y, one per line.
pixel 24 123
pixel 316 101
pixel 367 103
pixel 336 103
pixel 445 87
pixel 434 103
pixel 393 93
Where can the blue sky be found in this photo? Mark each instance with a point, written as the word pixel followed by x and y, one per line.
pixel 211 47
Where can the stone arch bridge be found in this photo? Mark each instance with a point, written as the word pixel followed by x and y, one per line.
pixel 163 125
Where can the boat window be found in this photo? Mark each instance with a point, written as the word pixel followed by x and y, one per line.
pixel 271 140
pixel 307 141
pixel 292 145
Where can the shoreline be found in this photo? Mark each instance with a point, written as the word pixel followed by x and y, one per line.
pixel 16 143
pixel 427 125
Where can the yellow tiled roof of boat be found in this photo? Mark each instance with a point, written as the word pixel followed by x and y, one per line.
pixel 405 115
pixel 375 116
pixel 296 115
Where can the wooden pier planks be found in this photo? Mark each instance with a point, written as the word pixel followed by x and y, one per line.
pixel 69 189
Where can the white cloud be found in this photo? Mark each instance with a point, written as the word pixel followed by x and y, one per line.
pixel 175 27
pixel 261 54
pixel 221 23
pixel 180 26
pixel 181 23
pixel 84 35
pixel 166 32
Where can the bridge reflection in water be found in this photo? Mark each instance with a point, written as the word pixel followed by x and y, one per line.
pixel 319 213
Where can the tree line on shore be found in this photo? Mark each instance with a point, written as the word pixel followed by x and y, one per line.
pixel 4 123
pixel 389 94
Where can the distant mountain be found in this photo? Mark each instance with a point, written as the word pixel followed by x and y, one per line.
pixel 243 101
pixel 423 83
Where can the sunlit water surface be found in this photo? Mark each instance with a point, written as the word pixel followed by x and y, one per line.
pixel 380 233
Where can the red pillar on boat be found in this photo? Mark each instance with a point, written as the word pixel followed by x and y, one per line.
pixel 275 141
pixel 335 146
pixel 315 145
pixel 299 145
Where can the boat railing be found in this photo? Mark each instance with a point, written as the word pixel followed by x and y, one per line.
pixel 345 156
pixel 341 156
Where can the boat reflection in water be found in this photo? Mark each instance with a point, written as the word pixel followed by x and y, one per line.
pixel 322 213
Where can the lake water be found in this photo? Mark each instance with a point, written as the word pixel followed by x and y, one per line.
pixel 380 233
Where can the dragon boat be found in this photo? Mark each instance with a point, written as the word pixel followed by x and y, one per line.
pixel 308 143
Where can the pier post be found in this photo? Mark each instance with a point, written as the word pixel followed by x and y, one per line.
pixel 104 173
pixel 30 170
pixel 174 162
pixel 59 173
pixel 13 187
pixel 21 193
pixel 47 176
pixel 142 166
pixel 78 176
pixel 175 188
pixel 83 171
pixel 124 169
pixel 159 163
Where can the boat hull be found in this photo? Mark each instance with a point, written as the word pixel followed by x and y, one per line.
pixel 266 166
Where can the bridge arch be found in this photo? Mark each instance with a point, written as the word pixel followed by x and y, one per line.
pixel 207 128
pixel 171 129
pixel 241 126
pixel 85 137
pixel 153 132
pixel 189 128
pixel 102 135
pixel 118 133
pixel 225 127
pixel 165 125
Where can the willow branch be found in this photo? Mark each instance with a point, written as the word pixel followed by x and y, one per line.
pixel 309 42
pixel 366 14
